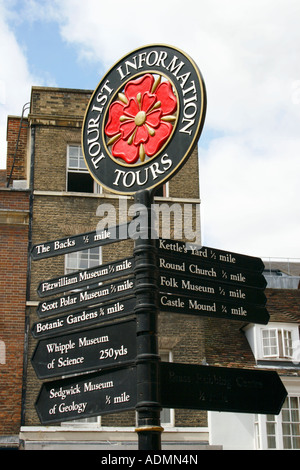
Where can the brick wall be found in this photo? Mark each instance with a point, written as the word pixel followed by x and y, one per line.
pixel 13 276
pixel 2 178
pixel 46 101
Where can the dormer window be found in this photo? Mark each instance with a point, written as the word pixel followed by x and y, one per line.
pixel 274 343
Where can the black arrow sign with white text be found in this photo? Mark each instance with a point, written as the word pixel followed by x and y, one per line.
pixel 209 254
pixel 88 395
pixel 92 296
pixel 86 277
pixel 83 318
pixel 213 308
pixel 80 242
pixel 98 348
pixel 203 289
pixel 192 267
pixel 198 387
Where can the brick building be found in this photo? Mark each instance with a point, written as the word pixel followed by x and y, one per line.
pixel 14 229
pixel 65 201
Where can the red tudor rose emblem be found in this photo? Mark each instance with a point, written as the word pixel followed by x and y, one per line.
pixel 141 120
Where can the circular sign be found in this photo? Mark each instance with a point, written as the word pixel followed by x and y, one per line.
pixel 144 119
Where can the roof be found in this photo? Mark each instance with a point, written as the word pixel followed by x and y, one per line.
pixel 283 305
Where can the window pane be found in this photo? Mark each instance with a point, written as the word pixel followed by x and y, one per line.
pixel 73 162
pixel 296 442
pixel 270 428
pixel 73 150
pixel 287 442
pixel 82 164
pixel 285 415
pixel 286 429
pixel 271 442
pixel 295 416
pixel 71 262
pixel 80 182
pixel 73 156
pixel 295 429
pixel 83 262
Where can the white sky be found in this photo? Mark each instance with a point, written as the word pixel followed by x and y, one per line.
pixel 249 55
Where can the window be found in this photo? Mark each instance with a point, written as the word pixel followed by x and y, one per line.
pixel 84 259
pixel 277 343
pixel 162 191
pixel 291 423
pixel 78 176
pixel 282 431
pixel 2 353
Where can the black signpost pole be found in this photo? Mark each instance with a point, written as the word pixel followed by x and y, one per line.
pixel 146 290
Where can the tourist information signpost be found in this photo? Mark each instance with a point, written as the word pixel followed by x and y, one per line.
pixel 142 123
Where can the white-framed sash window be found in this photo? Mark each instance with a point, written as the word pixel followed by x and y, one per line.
pixel 281 432
pixel 78 177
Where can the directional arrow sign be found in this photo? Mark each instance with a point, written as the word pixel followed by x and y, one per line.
pixel 205 253
pixel 88 350
pixel 83 318
pixel 198 387
pixel 92 296
pixel 80 242
pixel 88 395
pixel 203 289
pixel 83 278
pixel 189 266
pixel 213 308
